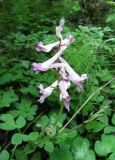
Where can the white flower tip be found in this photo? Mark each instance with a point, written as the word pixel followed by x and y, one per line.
pixel 62 21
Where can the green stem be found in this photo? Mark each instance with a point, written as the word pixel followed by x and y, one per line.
pixel 60 112
pixel 32 122
pixel 93 117
pixel 85 104
pixel 13 151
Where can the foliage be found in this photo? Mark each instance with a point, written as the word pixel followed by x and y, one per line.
pixel 32 131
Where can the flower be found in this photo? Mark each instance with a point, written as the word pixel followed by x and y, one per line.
pixel 68 40
pixel 45 48
pixel 38 67
pixel 63 73
pixel 73 76
pixel 63 85
pixel 60 28
pixel 46 91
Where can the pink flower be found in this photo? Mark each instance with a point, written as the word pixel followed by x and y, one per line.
pixel 46 48
pixel 73 76
pixel 38 67
pixel 63 85
pixel 68 40
pixel 46 91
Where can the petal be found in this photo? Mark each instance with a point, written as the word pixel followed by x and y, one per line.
pixel 42 99
pixel 37 67
pixel 79 85
pixel 46 48
pixel 84 77
pixel 67 103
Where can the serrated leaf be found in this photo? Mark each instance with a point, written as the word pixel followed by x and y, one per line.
pixel 25 109
pixel 7 98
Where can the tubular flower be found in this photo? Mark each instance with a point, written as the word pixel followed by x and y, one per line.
pixel 63 73
pixel 46 48
pixel 46 91
pixel 73 76
pixel 63 85
pixel 60 28
pixel 68 40
pixel 38 67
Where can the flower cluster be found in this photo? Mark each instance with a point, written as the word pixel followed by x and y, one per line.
pixel 65 71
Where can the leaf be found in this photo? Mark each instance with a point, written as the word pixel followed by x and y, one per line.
pixel 33 136
pixel 25 109
pixel 16 139
pixel 90 155
pixel 9 123
pixel 4 155
pixel 113 119
pixel 20 122
pixel 36 156
pixel 7 98
pixel 44 120
pixel 63 153
pixel 95 126
pixel 103 118
pixel 80 148
pixel 106 146
pixel 111 157
pixel 49 146
pixel 109 129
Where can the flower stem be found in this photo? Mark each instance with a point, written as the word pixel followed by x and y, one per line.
pixel 85 104
pixel 60 112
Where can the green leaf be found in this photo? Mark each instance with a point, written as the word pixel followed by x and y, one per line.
pixel 103 118
pixel 7 98
pixel 95 126
pixel 33 136
pixel 9 123
pixel 109 129
pixel 113 119
pixel 63 153
pixel 25 109
pixel 49 146
pixel 106 146
pixel 16 139
pixel 44 120
pixel 20 122
pixel 90 155
pixel 111 157
pixel 80 148
pixel 4 155
pixel 36 156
